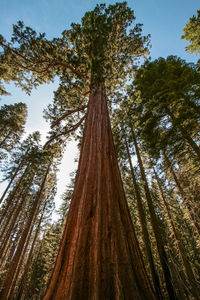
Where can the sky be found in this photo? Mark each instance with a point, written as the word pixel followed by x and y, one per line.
pixel 163 20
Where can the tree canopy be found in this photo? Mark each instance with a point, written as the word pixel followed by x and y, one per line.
pixel 128 226
pixel 192 33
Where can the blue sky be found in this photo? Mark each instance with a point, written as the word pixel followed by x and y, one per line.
pixel 164 20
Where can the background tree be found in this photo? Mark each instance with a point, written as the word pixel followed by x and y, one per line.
pixel 192 34
pixel 12 121
pixel 166 95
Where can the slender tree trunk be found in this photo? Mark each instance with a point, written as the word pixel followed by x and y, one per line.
pixel 188 269
pixel 12 218
pixel 28 262
pixel 182 289
pixel 34 266
pixel 11 181
pixel 184 133
pixel 9 202
pixel 20 263
pixel 99 257
pixel 10 248
pixel 5 138
pixel 155 225
pixel 183 195
pixel 14 175
pixel 19 267
pixel 145 232
pixel 4 294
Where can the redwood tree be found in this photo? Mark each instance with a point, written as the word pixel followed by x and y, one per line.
pixel 99 256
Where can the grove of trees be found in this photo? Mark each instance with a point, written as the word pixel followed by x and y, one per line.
pixel 129 223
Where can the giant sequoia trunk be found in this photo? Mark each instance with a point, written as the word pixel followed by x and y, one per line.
pixel 99 257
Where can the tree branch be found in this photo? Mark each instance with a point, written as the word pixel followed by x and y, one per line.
pixel 65 132
pixel 67 114
pixel 50 63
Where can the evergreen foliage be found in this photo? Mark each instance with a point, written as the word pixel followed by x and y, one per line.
pixel 155 118
pixel 192 33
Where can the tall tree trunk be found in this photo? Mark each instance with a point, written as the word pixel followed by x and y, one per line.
pixel 14 175
pixel 10 249
pixel 5 138
pixel 183 292
pixel 188 269
pixel 11 181
pixel 4 294
pixel 155 225
pixel 28 262
pixel 183 195
pixel 9 202
pixel 27 291
pixel 20 263
pixel 145 232
pixel 184 133
pixel 12 217
pixel 99 256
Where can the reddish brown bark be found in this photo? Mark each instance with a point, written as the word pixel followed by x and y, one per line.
pixel 99 256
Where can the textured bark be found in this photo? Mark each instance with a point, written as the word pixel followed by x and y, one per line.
pixel 145 232
pixel 99 256
pixel 155 226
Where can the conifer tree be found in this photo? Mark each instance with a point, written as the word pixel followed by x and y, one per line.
pixel 99 255
pixel 12 121
pixel 192 33
pixel 166 94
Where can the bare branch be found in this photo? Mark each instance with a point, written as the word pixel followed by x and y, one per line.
pixel 67 114
pixel 65 132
